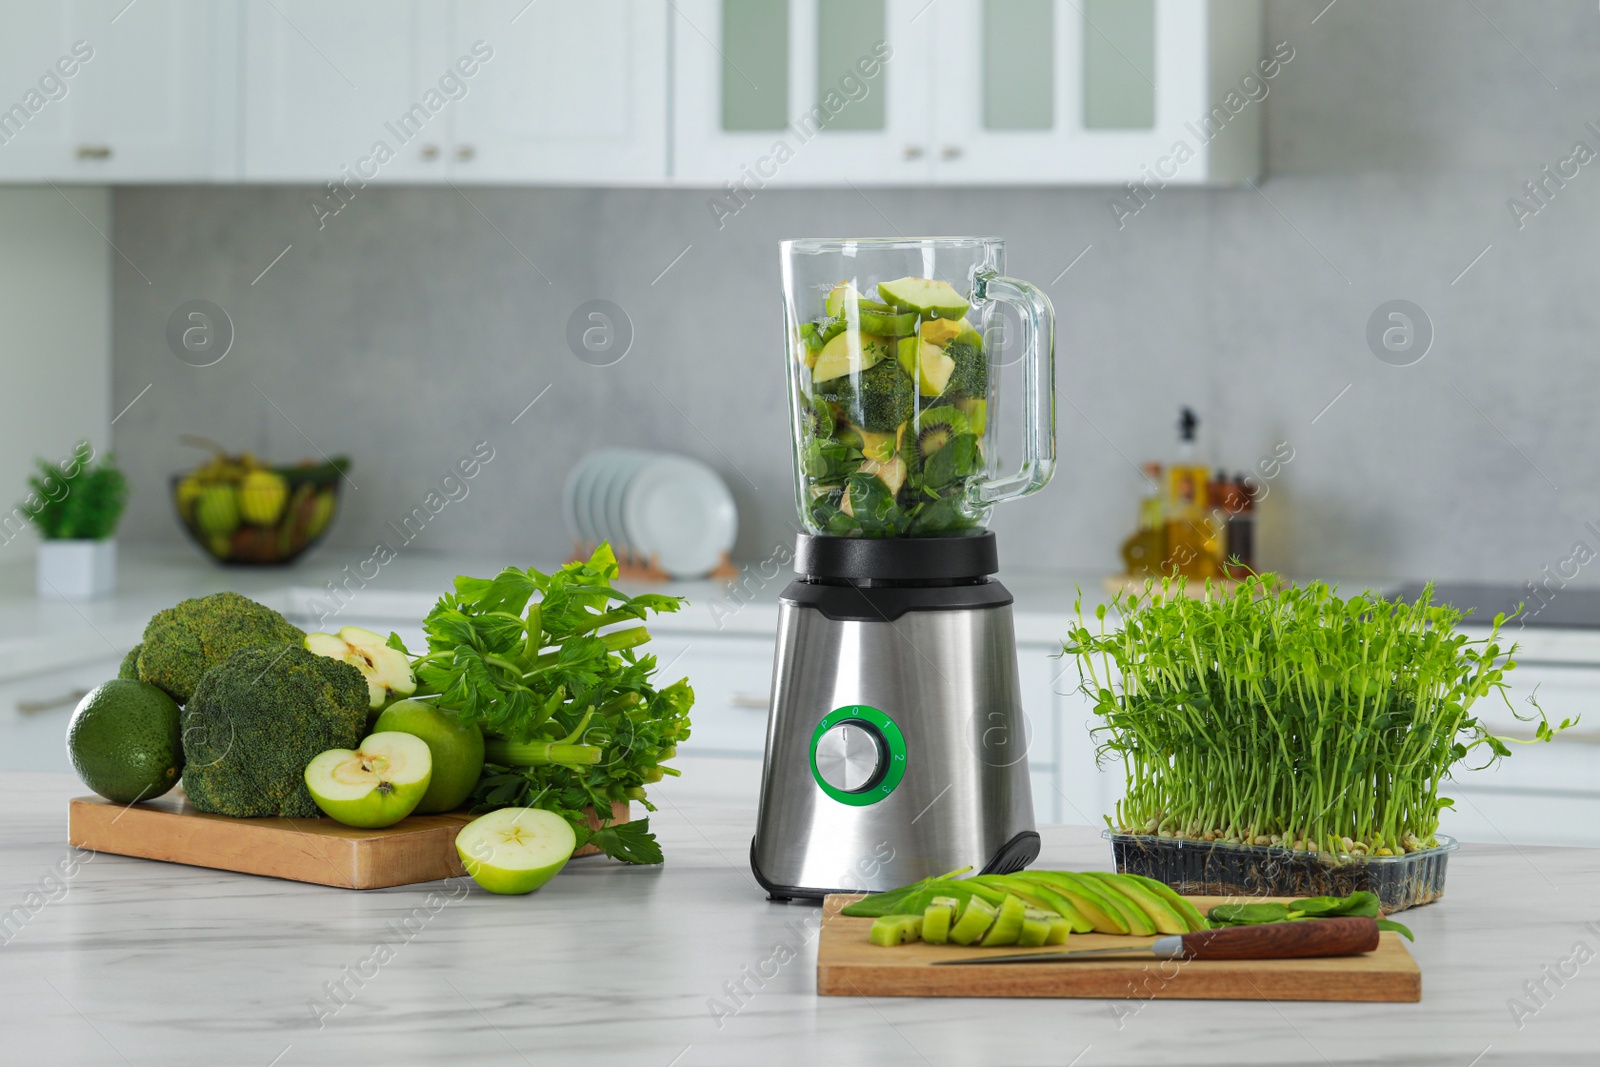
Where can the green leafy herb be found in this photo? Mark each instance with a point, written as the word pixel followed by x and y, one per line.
pixel 1360 903
pixel 572 716
pixel 76 499
pixel 1288 715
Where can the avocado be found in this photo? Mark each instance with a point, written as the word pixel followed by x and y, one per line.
pixel 1180 904
pixel 1163 916
pixel 928 297
pixel 1040 895
pixel 1087 898
pixel 125 741
pixel 850 352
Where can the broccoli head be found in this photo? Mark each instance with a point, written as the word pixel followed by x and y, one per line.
pixel 971 374
pixel 183 642
pixel 129 670
pixel 254 722
pixel 886 396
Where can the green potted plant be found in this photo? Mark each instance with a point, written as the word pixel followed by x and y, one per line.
pixel 75 505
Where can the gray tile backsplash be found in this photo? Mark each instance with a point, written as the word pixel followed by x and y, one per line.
pixel 421 321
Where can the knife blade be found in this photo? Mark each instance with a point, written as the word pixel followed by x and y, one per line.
pixel 1300 939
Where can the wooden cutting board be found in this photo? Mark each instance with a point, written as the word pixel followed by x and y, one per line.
pixel 420 848
pixel 849 966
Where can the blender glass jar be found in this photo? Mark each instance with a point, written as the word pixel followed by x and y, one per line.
pixel 892 390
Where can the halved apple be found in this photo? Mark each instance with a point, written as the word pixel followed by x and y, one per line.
pixel 515 850
pixel 386 669
pixel 376 785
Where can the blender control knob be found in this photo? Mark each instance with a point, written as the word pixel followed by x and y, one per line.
pixel 850 756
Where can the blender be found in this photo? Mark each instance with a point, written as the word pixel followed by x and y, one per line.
pixel 896 740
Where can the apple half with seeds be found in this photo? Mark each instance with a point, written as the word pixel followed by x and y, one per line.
pixel 387 670
pixel 516 850
pixel 373 786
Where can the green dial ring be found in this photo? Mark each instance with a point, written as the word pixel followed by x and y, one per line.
pixel 894 755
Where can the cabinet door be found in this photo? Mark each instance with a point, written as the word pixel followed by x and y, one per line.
pixel 732 680
pixel 136 105
pixel 1034 670
pixel 794 92
pixel 1092 91
pixel 346 93
pixel 35 710
pixel 574 92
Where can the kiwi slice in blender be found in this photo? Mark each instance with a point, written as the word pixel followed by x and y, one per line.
pixel 937 918
pixel 895 929
pixel 975 920
pixel 1007 924
pixel 936 426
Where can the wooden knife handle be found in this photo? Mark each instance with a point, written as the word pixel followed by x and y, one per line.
pixel 1343 936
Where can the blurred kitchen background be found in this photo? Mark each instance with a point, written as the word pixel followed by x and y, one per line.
pixel 425 314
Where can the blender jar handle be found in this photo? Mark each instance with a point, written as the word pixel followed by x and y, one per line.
pixel 1038 385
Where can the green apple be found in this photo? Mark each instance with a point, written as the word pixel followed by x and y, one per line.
pixel 387 670
pixel 515 850
pixel 457 749
pixel 376 785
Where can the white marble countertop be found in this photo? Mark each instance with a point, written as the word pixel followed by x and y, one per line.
pixel 129 961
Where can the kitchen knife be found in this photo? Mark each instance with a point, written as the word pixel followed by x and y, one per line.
pixel 1302 938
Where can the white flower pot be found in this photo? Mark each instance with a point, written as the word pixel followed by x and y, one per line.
pixel 77 570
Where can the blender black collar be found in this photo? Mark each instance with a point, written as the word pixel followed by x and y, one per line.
pixel 900 559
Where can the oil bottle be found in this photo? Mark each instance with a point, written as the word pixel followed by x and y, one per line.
pixel 1144 551
pixel 1188 522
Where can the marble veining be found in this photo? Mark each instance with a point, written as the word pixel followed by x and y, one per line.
pixel 139 962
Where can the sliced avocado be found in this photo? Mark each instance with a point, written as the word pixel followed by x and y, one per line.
pixel 1180 904
pixel 974 922
pixel 925 364
pixel 1041 895
pixel 1007 924
pixel 840 295
pixel 849 353
pixel 1163 916
pixel 1059 931
pixel 928 297
pixel 1087 898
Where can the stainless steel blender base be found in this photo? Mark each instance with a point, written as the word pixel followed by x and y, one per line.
pixel 895 751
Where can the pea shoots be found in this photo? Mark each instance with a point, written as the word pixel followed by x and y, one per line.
pixel 1284 715
pixel 571 717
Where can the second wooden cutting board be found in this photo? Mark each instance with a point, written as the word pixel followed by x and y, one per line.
pixel 848 965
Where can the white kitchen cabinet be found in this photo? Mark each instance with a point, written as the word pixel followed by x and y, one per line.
pixel 35 710
pixel 966 92
pixel 105 91
pixel 347 93
pixel 801 92
pixel 732 680
pixel 574 93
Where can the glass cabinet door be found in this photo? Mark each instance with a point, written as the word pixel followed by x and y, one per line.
pixel 801 92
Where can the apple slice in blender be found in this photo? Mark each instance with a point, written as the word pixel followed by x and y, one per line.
pixel 374 786
pixel 515 850
pixel 928 297
pixel 849 353
pixel 387 670
pixel 925 363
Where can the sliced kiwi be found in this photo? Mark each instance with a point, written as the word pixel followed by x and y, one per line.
pixel 1060 930
pixel 1035 928
pixel 1007 924
pixel 975 920
pixel 936 426
pixel 937 919
pixel 895 929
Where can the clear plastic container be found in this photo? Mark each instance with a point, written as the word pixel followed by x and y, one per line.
pixel 1218 868
pixel 892 388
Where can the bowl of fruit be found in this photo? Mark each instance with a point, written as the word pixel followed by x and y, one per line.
pixel 240 510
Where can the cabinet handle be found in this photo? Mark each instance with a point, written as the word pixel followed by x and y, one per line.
pixel 34 707
pixel 749 700
pixel 951 151
pixel 94 151
pixel 913 151
pixel 430 152
pixel 465 152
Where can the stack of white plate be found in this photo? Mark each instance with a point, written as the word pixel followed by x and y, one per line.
pixel 652 505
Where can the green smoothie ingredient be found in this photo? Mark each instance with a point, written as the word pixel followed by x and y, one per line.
pixel 125 741
pixel 1358 903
